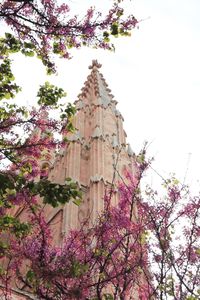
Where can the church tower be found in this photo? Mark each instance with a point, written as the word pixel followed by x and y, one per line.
pixel 96 157
pixel 97 154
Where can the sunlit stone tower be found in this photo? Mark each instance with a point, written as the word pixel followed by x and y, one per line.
pixel 96 156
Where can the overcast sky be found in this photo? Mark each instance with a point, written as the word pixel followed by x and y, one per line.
pixel 154 76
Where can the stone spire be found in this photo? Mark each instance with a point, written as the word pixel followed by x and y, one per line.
pixel 97 153
pixel 95 90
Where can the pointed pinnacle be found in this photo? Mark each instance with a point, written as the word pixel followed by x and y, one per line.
pixel 95 64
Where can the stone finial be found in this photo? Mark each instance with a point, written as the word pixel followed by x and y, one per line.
pixel 117 113
pixel 129 150
pixel 115 141
pixel 75 137
pixel 96 178
pixel 97 132
pixel 79 104
pixel 95 64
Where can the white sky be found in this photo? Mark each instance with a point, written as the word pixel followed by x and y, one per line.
pixel 154 75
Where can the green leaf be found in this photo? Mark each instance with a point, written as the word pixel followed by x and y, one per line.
pixel 7 95
pixel 14 226
pixel 108 297
pixel 78 269
pixel 115 29
pixel 30 276
pixel 197 251
pixel 49 94
pixel 77 201
pixel 29 53
pixel 54 193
